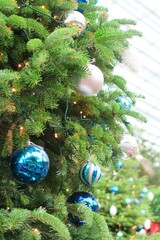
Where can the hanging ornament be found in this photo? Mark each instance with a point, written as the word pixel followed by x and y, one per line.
pixel 131 180
pixel 142 232
pixel 144 190
pixel 136 201
pixel 129 145
pixel 90 173
pixel 119 164
pixel 142 195
pixel 119 234
pixel 78 198
pixel 93 83
pixel 128 201
pixel 130 58
pixel 74 19
pixel 30 164
pixel 114 189
pixel 143 211
pixel 139 228
pixel 113 210
pixel 147 224
pixel 86 1
pixel 124 102
pixel 150 196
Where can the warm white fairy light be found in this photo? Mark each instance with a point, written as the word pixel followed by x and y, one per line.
pixel 19 65
pixel 13 89
pixel 43 6
pixel 75 103
pixel 56 135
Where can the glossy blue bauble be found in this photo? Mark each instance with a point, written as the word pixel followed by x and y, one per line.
pixel 128 201
pixel 124 102
pixel 136 201
pixel 139 228
pixel 30 164
pixel 119 234
pixel 114 189
pixel 142 195
pixel 86 1
pixel 119 164
pixel 82 197
pixel 90 173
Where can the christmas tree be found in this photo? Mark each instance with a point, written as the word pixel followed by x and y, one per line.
pixel 54 61
pixel 125 200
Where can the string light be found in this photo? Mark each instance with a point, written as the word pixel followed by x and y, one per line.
pixel 8 208
pixel 26 63
pixel 80 112
pixel 74 103
pixel 133 186
pixel 36 230
pixel 112 217
pixel 43 6
pixel 134 227
pixel 67 190
pixel 21 128
pixel 14 89
pixel 19 65
pixel 122 216
pixel 56 135
pixel 84 116
pixel 133 192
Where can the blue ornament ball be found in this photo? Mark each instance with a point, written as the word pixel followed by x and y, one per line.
pixel 124 102
pixel 142 195
pixel 30 164
pixel 136 201
pixel 139 228
pixel 86 1
pixel 144 190
pixel 114 189
pixel 143 212
pixel 119 164
pixel 131 180
pixel 90 173
pixel 128 201
pixel 78 198
pixel 119 234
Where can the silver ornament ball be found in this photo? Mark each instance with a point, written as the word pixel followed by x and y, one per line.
pixel 92 83
pixel 75 19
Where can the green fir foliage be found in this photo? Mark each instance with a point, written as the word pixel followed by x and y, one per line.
pixel 41 63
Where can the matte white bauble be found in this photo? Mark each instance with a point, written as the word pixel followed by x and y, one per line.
pixel 92 83
pixel 75 19
pixel 113 210
pixel 142 232
pixel 150 196
pixel 129 145
pixel 147 224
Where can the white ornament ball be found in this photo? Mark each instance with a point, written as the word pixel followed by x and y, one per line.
pixel 113 210
pixel 129 145
pixel 75 19
pixel 142 232
pixel 150 196
pixel 92 83
pixel 147 224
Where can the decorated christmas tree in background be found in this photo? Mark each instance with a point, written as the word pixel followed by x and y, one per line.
pixel 56 115
pixel 125 200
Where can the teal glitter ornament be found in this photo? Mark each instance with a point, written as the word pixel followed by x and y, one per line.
pixel 124 102
pixel 30 164
pixel 128 201
pixel 144 190
pixel 119 234
pixel 78 198
pixel 119 164
pixel 90 173
pixel 114 189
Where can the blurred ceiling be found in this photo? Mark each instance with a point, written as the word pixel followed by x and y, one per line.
pixel 141 62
